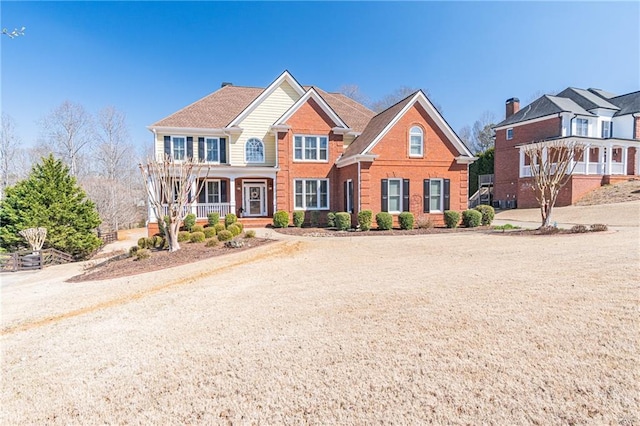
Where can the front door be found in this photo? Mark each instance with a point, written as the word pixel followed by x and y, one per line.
pixel 255 195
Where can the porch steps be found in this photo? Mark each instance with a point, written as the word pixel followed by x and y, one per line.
pixel 255 222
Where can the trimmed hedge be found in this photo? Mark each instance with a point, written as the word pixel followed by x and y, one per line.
pixel 213 218
pixel 365 217
pixel 219 227
pixel 209 232
pixel 197 228
pixel 488 213
pixel 343 221
pixel 197 237
pixel 230 219
pixel 225 235
pixel 281 219
pixel 189 221
pixel 184 236
pixel 211 242
pixel 471 218
pixel 143 253
pixel 250 234
pixel 234 229
pixel 298 218
pixel 451 218
pixel 331 220
pixel 239 225
pixel 405 219
pixel 384 221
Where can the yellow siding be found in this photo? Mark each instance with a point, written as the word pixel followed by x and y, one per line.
pixel 258 122
pixel 347 139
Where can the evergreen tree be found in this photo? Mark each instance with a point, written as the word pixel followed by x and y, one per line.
pixel 51 198
pixel 482 166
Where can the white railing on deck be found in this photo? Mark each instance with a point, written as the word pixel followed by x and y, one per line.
pixel 594 169
pixel 201 210
pixel 617 169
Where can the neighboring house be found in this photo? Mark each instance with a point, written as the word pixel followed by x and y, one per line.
pixel 606 125
pixel 289 147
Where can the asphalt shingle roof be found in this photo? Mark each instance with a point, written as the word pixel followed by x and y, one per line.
pixel 586 99
pixel 628 104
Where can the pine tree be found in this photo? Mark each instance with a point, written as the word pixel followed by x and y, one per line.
pixel 51 198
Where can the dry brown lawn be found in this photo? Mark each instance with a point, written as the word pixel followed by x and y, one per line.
pixel 464 328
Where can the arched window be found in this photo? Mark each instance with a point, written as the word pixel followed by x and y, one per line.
pixel 416 142
pixel 254 151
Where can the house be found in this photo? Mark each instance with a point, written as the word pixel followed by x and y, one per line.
pixel 606 125
pixel 291 147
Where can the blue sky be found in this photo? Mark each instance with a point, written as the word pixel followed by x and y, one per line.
pixel 150 59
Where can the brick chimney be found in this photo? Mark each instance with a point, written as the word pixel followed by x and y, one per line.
pixel 513 106
pixel 225 84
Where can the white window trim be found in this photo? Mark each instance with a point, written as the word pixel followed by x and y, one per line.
pixel 389 196
pixel 173 157
pixel 217 139
pixel 421 155
pixel 206 191
pixel 304 160
pixel 441 203
pixel 264 154
pixel 509 130
pixel 608 127
pixel 576 127
pixel 304 195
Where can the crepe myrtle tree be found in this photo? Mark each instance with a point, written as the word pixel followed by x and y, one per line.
pixel 172 186
pixel 552 164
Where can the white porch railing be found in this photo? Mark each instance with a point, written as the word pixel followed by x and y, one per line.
pixel 594 169
pixel 201 210
pixel 617 169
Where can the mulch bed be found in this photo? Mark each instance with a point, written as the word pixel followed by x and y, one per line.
pixel 122 265
pixel 333 232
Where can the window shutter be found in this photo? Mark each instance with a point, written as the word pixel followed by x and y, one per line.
pixel 405 195
pixel 201 149
pixel 167 145
pixel 425 201
pixel 189 147
pixel 223 191
pixel 447 185
pixel 385 196
pixel 346 193
pixel 351 195
pixel 611 129
pixel 223 151
pixel 202 195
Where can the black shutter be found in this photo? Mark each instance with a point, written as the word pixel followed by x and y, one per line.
pixel 425 201
pixel 201 149
pixel 351 196
pixel 405 195
pixel 611 129
pixel 345 195
pixel 223 191
pixel 167 146
pixel 447 203
pixel 385 196
pixel 202 196
pixel 189 147
pixel 223 150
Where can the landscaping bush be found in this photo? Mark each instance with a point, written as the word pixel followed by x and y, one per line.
pixel 143 253
pixel 209 232
pixel 424 222
pixel 281 219
pixel 343 221
pixel 598 227
pixel 331 220
pixel 384 221
pixel 219 227
pixel 488 213
pixel 158 242
pixel 211 242
pixel 239 225
pixel 298 218
pixel 225 235
pixel 184 236
pixel 451 218
pixel 579 229
pixel 314 217
pixel 405 219
pixel 197 237
pixel 142 242
pixel 250 234
pixel 133 250
pixel 213 218
pixel 189 221
pixel 230 219
pixel 197 228
pixel 364 219
pixel 234 229
pixel 471 218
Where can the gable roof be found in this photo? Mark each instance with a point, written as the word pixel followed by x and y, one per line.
pixel 602 93
pixel 628 104
pixel 586 99
pixel 312 94
pixel 542 107
pixel 353 113
pixel 380 125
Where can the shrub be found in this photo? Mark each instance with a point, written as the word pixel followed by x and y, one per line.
pixel 197 228
pixel 314 217
pixel 579 229
pixel 230 219
pixel 197 237
pixel 598 227
pixel 471 218
pixel 234 229
pixel 189 221
pixel 219 227
pixel 424 222
pixel 384 221
pixel 250 234
pixel 405 219
pixel 343 221
pixel 451 218
pixel 298 218
pixel 211 242
pixel 143 253
pixel 209 232
pixel 239 225
pixel 133 250
pixel 331 220
pixel 364 219
pixel 488 213
pixel 213 218
pixel 184 236
pixel 281 219
pixel 158 242
pixel 142 242
pixel 505 227
pixel 225 235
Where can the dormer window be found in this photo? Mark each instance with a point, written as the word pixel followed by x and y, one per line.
pixel 416 142
pixel 582 127
pixel 607 129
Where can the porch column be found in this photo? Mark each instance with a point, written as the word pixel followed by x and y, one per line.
pixel 192 191
pixel 601 160
pixel 232 194
pixel 625 155
pixel 587 154
pixel 609 158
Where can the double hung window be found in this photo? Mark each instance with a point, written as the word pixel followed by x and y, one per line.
pixel 310 148
pixel 416 145
pixel 311 194
pixel 582 127
pixel 212 150
pixel 179 147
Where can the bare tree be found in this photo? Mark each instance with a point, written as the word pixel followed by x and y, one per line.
pixel 9 146
pixel 353 91
pixel 172 187
pixel 398 95
pixel 15 33
pixel 483 135
pixel 466 136
pixel 69 130
pixel 552 164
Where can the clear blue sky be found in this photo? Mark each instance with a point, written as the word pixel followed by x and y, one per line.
pixel 150 59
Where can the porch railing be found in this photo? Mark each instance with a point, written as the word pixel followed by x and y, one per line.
pixel 201 210
pixel 594 169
